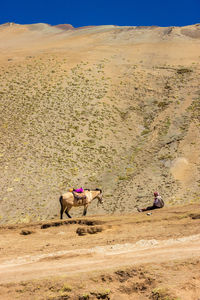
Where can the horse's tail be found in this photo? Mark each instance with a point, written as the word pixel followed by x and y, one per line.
pixel 61 204
pixel 60 199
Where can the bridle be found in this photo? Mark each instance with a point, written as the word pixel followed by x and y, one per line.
pixel 100 200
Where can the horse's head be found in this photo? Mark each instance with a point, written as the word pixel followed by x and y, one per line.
pixel 99 196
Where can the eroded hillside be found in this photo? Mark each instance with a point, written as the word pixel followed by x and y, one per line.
pixel 110 107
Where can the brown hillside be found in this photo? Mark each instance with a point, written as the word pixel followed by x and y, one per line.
pixel 107 106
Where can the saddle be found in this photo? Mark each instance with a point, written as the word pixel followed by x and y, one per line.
pixel 79 196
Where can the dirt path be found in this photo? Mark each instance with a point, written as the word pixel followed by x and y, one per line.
pixel 113 256
pixel 165 244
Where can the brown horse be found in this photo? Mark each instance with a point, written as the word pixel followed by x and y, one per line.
pixel 67 201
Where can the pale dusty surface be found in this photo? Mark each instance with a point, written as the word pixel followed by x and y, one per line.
pixel 83 260
pixel 167 239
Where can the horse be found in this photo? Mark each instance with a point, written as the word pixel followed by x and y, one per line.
pixel 67 201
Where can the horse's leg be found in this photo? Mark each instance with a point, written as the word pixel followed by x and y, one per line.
pixel 67 211
pixel 85 210
pixel 61 213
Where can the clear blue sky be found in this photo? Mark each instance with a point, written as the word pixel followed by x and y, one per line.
pixel 101 12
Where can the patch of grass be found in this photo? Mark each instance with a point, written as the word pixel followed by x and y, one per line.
pixel 123 177
pixel 165 157
pixel 165 127
pixel 163 104
pixel 104 294
pixel 195 109
pixel 145 132
pixel 66 288
pixel 162 294
pixel 183 71
pixel 84 297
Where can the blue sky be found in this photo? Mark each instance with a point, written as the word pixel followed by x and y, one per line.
pixel 101 12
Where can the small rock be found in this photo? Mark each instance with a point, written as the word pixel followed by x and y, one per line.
pixel 81 231
pixel 26 232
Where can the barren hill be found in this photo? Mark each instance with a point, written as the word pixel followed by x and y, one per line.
pixel 106 106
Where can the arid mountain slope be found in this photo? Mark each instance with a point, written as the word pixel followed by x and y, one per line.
pixel 108 106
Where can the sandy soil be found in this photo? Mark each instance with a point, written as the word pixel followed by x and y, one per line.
pixel 53 253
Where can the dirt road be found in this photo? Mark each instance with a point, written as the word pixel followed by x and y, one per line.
pixel 165 244
pixel 113 256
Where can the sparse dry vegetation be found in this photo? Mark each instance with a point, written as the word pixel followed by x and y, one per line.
pixel 114 122
pixel 110 107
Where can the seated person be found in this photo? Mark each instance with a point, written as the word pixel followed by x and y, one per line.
pixel 158 203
